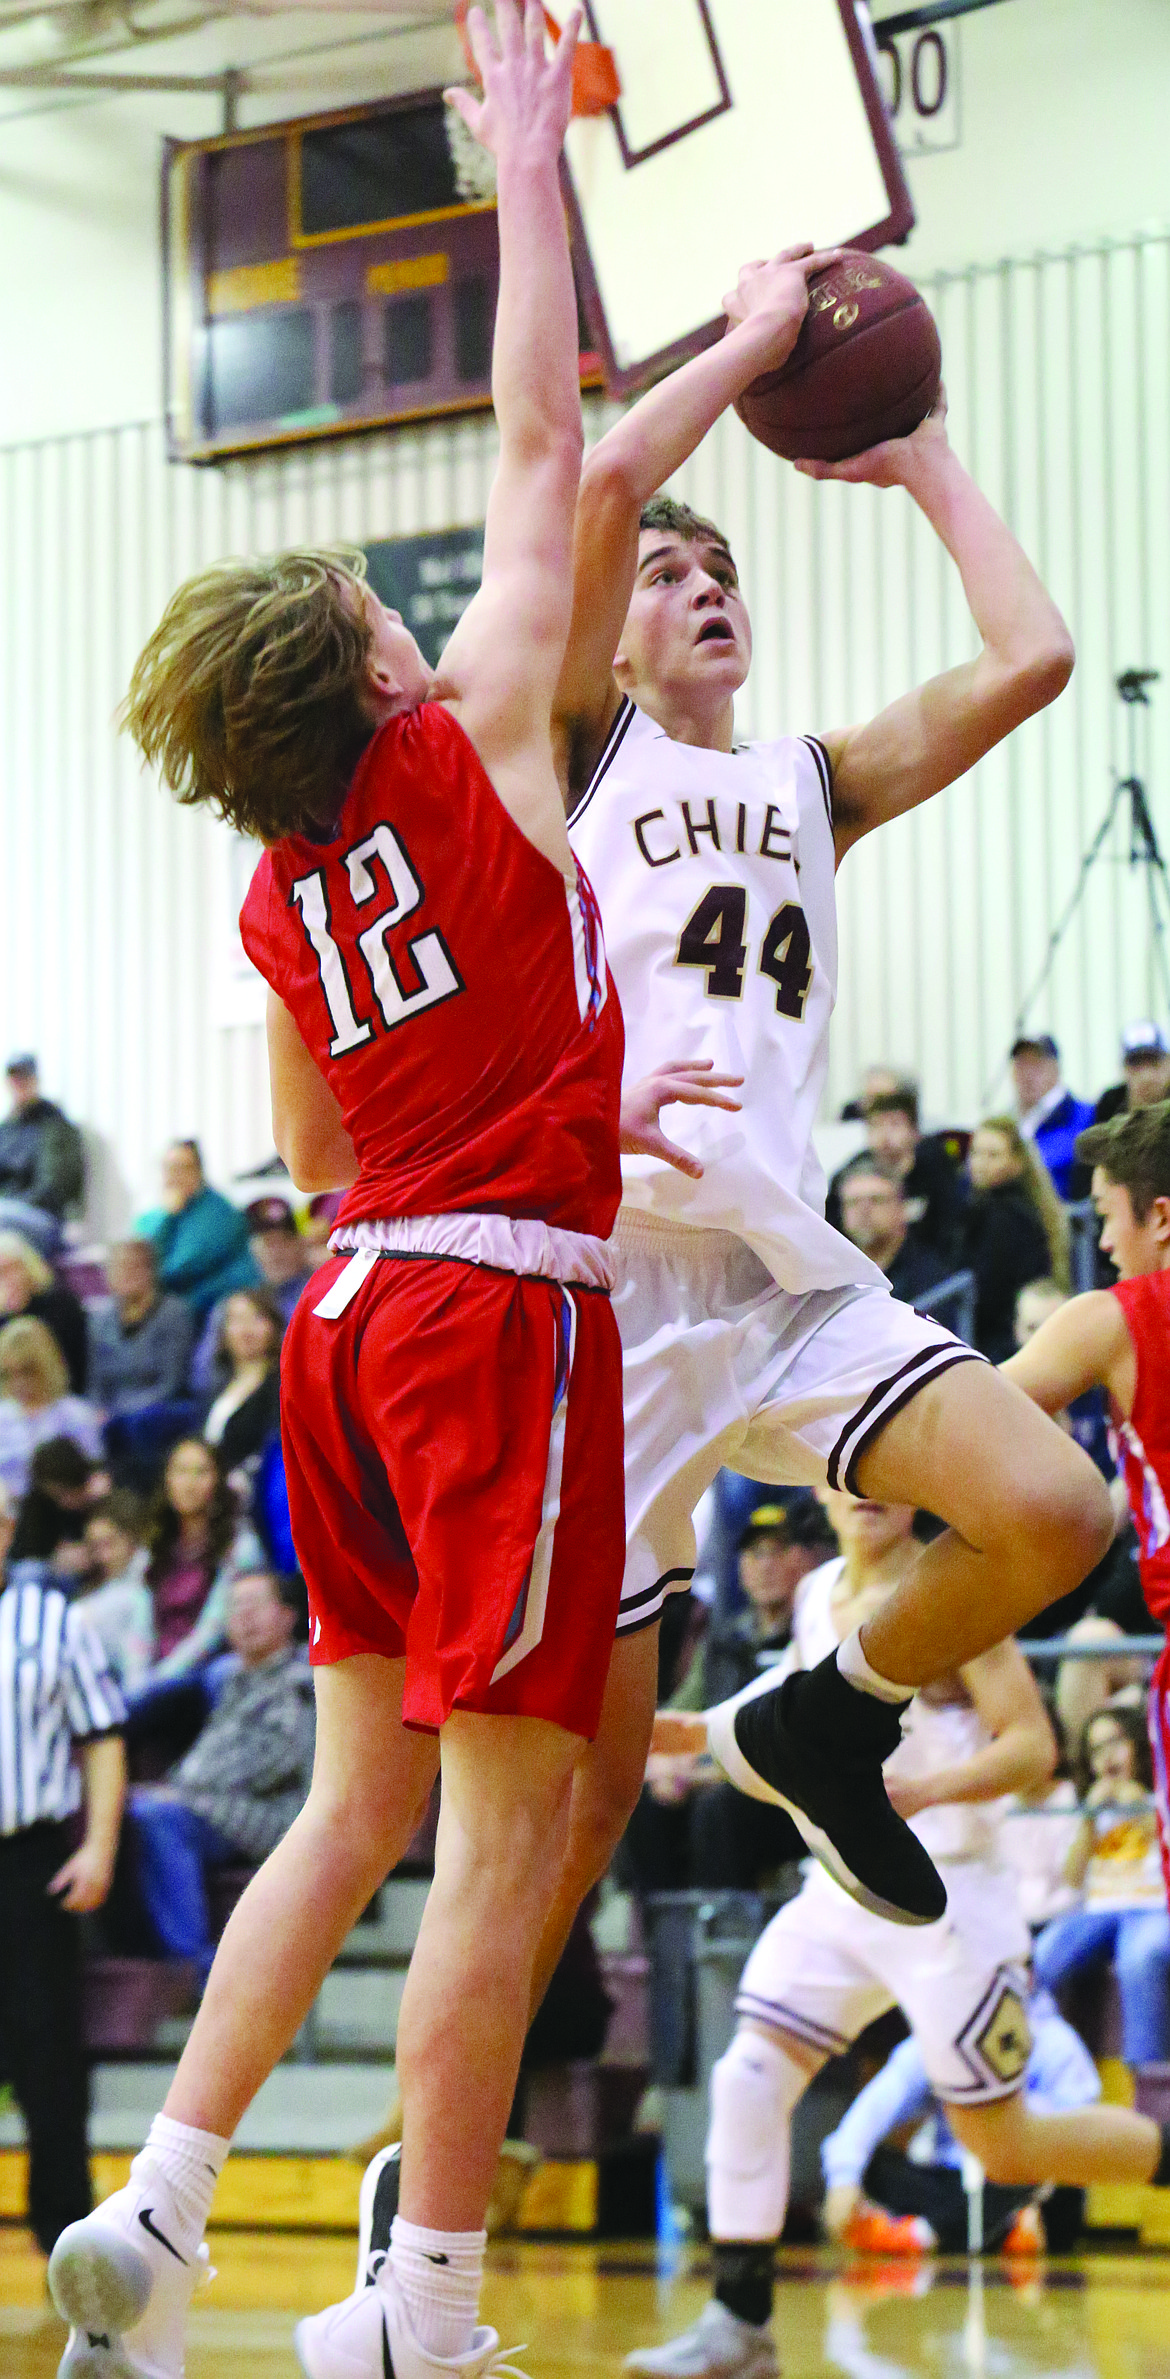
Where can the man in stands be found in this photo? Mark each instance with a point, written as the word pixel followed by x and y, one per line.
pixel 928 1165
pixel 140 1342
pixel 42 1159
pixel 1145 1066
pixel 874 1216
pixel 234 1795
pixel 1048 1114
pixel 1119 1339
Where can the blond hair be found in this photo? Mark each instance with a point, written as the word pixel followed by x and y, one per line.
pixel 16 1249
pixel 248 696
pixel 1040 1191
pixel 27 1339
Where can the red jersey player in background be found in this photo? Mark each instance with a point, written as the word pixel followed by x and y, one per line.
pixel 443 1037
pixel 1119 1339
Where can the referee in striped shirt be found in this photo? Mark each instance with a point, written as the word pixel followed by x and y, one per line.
pixel 61 1751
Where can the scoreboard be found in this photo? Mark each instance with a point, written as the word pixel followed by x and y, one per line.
pixel 326 276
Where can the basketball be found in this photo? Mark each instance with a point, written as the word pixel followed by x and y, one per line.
pixel 865 367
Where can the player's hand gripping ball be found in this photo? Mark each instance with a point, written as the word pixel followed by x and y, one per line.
pixel 865 367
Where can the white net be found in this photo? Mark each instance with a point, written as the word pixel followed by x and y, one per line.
pixel 475 167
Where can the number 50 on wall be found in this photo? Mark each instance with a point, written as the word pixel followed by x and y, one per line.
pixel 919 74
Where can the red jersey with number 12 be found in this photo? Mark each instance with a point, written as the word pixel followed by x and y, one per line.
pixel 1143 1441
pixel 452 987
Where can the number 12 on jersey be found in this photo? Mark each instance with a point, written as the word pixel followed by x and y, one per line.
pixel 437 976
pixel 715 938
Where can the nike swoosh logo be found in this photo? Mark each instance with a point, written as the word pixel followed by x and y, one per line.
pixel 435 2258
pixel 388 2371
pixel 155 2233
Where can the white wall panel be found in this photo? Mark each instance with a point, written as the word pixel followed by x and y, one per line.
pixel 1058 371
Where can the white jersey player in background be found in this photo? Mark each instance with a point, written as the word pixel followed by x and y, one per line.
pixel 752 1334
pixel 824 1968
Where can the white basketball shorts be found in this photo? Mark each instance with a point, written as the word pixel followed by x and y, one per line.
pixel 721 1367
pixel 824 1968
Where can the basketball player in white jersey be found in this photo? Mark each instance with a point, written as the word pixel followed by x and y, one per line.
pixel 825 1968
pixel 753 1335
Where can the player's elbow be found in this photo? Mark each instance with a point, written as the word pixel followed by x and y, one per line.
pixel 610 479
pixel 1043 672
pixel 1039 1758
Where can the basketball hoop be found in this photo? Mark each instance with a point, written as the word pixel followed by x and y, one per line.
pixel 596 86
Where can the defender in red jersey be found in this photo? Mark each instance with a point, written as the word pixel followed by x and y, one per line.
pixel 443 1039
pixel 1119 1339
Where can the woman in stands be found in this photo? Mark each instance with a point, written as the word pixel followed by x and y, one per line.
pixel 1014 1230
pixel 118 1602
pixel 246 1413
pixel 35 1402
pixel 197 1543
pixel 1116 1865
pixel 28 1286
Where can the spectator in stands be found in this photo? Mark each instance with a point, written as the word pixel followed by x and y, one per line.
pixel 246 1413
pixel 140 1342
pixel 63 1487
pixel 35 1403
pixel 197 1543
pixel 874 1217
pixel 688 1832
pixel 59 1702
pixel 320 1219
pixel 27 1286
pixel 876 1080
pixel 1116 1864
pixel 200 1239
pixel 1145 1066
pixel 928 1166
pixel 1014 1230
pixel 113 1592
pixel 42 1160
pixel 238 1789
pixel 1049 1116
pixel 1084 1686
pixel 285 1260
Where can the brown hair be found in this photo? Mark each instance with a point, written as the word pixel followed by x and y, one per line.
pixel 1036 1183
pixel 678 520
pixel 1134 1150
pixel 902 1101
pixel 1130 1723
pixel 262 1301
pixel 248 694
pixel 163 1524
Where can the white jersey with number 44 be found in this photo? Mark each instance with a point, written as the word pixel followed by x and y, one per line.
pixel 714 874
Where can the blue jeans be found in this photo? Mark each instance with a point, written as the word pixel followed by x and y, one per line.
pixel 174 1847
pixel 1138 1941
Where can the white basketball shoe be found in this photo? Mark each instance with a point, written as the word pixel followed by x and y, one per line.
pixel 368 2336
pixel 123 2279
pixel 717 2346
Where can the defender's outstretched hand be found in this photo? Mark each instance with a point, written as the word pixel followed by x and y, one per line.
pixel 773 294
pixel 690 1082
pixel 527 95
pixel 897 461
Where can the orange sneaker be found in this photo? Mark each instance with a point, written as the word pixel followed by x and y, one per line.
pixel 1026 2236
pixel 871 2231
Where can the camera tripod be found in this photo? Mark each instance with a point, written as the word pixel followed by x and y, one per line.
pixel 1128 795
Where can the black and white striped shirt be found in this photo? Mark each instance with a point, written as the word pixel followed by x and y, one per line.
pixel 56 1690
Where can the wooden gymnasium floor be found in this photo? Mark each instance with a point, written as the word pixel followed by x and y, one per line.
pixel 580 2308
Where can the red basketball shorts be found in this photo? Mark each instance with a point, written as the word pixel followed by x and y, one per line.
pixel 453 1448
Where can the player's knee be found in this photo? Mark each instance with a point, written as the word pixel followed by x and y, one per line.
pixel 754 2089
pixel 1064 1514
pixel 605 1796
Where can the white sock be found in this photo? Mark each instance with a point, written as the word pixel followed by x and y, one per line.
pixel 191 2162
pixel 439 2274
pixel 854 1666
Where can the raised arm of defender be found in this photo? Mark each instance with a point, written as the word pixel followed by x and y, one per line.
pixel 500 668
